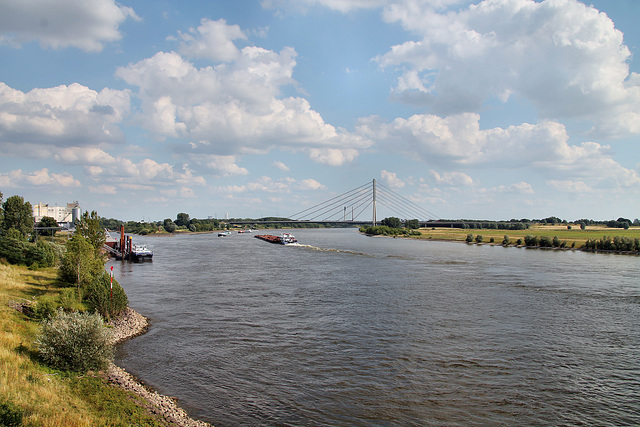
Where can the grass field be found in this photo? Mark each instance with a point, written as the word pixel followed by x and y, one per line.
pixel 42 396
pixel 564 234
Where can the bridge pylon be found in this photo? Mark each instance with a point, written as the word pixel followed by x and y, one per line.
pixel 374 202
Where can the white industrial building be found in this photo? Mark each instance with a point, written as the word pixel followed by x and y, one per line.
pixel 64 215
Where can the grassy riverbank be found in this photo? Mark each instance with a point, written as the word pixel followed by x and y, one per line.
pixel 575 235
pixel 42 396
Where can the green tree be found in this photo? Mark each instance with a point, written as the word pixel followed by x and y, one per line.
pixel 104 299
pixel 391 222
pixel 18 215
pixel 89 227
pixel 412 224
pixel 47 221
pixel 182 220
pixel 169 225
pixel 80 263
pixel 545 242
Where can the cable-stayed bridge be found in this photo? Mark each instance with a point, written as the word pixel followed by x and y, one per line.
pixel 354 206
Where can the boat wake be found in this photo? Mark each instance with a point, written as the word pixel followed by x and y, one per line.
pixel 339 251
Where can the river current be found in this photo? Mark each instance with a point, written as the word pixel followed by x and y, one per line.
pixel 349 330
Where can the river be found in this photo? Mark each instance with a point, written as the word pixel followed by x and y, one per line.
pixel 350 330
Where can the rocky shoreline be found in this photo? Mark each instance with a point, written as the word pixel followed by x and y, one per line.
pixel 128 325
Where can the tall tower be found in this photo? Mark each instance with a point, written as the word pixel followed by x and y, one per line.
pixel 374 202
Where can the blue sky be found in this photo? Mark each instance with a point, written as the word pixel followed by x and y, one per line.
pixel 492 109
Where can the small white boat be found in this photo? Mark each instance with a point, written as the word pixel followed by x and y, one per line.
pixel 141 253
pixel 224 233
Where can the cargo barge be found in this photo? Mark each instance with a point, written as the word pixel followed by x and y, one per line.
pixel 284 239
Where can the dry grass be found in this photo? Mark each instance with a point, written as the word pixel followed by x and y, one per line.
pixel 47 397
pixel 23 382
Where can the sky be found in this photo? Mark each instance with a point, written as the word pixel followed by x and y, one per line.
pixel 493 109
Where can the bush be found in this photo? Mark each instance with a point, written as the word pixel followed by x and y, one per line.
pixel 69 299
pixel 75 342
pixel 98 295
pixel 20 252
pixel 469 238
pixel 545 242
pixel 80 263
pixel 506 240
pixel 44 308
pixel 530 240
pixel 479 238
pixel 10 415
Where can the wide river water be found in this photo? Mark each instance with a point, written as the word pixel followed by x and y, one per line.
pixel 349 330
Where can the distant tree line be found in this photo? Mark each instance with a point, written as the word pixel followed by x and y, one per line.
pixel 393 226
pixel 183 222
pixel 606 243
pixel 617 243
pixel 525 223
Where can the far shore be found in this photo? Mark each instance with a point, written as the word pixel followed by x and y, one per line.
pixel 571 239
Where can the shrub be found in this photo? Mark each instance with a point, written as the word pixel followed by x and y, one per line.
pixel 43 309
pixel 492 240
pixel 75 342
pixel 69 299
pixel 479 238
pixel 530 240
pixel 80 263
pixel 18 251
pixel 545 242
pixel 506 240
pixel 98 295
pixel 10 415
pixel 469 238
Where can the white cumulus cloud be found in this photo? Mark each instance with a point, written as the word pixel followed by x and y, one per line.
pixel 62 116
pixel 453 179
pixel 564 57
pixel 392 180
pixel 457 141
pixel 233 107
pixel 84 24
pixel 40 178
pixel 212 40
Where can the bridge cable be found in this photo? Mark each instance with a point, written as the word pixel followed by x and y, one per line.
pixel 406 203
pixel 327 201
pixel 337 206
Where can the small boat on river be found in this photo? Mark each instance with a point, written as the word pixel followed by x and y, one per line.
pixel 283 239
pixel 140 253
pixel 224 233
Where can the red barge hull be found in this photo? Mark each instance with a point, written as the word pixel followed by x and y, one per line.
pixel 269 238
pixel 285 239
